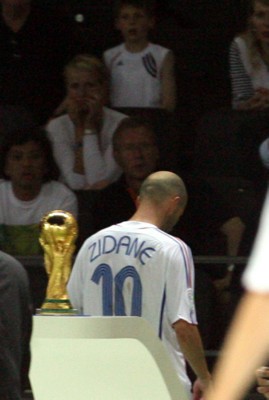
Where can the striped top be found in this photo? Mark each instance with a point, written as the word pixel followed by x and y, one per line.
pixel 244 78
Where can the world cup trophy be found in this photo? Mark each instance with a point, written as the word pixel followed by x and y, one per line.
pixel 58 233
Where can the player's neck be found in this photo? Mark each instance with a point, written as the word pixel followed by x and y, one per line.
pixel 148 215
pixel 136 46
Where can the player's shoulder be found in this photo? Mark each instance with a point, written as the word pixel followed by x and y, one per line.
pixel 172 240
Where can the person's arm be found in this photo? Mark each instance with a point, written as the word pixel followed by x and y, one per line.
pixel 190 343
pixel 264 152
pixel 99 166
pixel 168 83
pixel 64 153
pixel 245 348
pixel 233 229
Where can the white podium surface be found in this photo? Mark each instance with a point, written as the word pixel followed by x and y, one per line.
pixel 100 358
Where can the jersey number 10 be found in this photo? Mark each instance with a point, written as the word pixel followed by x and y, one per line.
pixel 103 276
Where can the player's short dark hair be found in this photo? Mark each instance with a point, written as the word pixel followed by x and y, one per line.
pixel 22 136
pixel 149 6
pixel 131 123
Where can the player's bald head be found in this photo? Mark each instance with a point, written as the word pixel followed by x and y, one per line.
pixel 163 185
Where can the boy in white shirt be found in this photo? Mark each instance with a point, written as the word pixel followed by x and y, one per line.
pixel 142 73
pixel 29 190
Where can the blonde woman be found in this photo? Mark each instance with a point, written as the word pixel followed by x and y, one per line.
pixel 82 137
pixel 249 61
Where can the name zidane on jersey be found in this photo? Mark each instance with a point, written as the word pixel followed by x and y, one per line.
pixel 131 247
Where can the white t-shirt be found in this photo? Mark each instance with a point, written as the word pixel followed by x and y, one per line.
pixel 99 163
pixel 135 77
pixel 134 268
pixel 256 275
pixel 19 220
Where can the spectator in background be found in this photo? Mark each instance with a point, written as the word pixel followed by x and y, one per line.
pixel 28 190
pixel 249 58
pixel 82 138
pixel 15 327
pixel 35 44
pixel 142 73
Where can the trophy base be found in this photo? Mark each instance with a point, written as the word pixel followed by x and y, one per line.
pixel 56 307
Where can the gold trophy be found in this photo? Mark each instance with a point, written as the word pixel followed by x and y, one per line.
pixel 58 234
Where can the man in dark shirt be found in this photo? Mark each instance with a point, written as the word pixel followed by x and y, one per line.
pixel 15 327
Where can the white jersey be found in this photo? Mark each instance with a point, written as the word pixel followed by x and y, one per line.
pixel 136 269
pixel 256 275
pixel 135 77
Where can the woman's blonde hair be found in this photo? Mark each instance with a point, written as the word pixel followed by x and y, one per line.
pixel 253 44
pixel 88 63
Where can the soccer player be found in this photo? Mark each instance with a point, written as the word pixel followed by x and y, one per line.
pixel 136 268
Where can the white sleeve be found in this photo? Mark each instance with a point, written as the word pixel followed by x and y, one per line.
pixel 98 166
pixel 75 283
pixel 64 156
pixel 180 287
pixel 256 275
pixel 264 152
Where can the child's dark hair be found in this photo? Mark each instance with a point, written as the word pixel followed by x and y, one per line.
pixel 148 5
pixel 22 136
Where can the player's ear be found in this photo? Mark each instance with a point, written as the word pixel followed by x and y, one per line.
pixel 175 201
